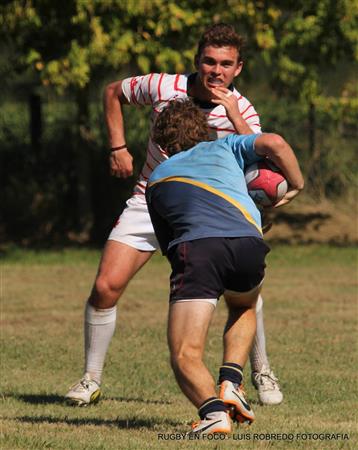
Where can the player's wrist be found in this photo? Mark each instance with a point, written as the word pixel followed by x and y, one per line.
pixel 118 147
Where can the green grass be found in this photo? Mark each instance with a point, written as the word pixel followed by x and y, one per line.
pixel 311 326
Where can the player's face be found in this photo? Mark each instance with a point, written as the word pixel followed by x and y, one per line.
pixel 217 66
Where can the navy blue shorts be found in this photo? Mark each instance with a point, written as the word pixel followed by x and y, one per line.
pixel 205 268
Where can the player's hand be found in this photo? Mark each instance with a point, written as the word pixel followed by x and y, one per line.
pixel 121 163
pixel 288 197
pixel 225 97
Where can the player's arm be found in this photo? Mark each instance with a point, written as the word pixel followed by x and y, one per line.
pixel 229 101
pixel 121 161
pixel 275 148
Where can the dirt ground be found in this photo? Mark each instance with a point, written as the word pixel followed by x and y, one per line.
pixel 306 221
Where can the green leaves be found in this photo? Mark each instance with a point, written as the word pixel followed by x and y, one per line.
pixel 66 45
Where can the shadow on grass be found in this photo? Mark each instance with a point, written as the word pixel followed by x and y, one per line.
pixel 130 423
pixel 301 220
pixel 36 399
pixel 139 400
pixel 51 399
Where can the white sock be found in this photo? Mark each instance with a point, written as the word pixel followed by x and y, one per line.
pixel 258 355
pixel 99 329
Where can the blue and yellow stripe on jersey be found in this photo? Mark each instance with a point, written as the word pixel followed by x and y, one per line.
pixel 206 187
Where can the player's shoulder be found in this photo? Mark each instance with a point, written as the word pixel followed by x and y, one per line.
pixel 166 86
pixel 172 84
pixel 154 88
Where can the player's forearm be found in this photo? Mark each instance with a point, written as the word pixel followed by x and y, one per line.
pixel 224 97
pixel 241 125
pixel 281 154
pixel 113 115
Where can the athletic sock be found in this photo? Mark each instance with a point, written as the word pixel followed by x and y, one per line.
pixel 258 355
pixel 212 404
pixel 99 329
pixel 231 372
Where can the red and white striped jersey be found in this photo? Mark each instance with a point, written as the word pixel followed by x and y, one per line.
pixel 157 89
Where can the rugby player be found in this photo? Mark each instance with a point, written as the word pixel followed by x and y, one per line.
pixel 132 241
pixel 210 229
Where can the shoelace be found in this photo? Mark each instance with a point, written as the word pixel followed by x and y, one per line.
pixel 85 384
pixel 240 387
pixel 82 384
pixel 267 379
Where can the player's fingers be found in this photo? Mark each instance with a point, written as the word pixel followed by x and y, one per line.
pixel 116 170
pixel 127 173
pixel 225 91
pixel 289 196
pixel 282 202
pixel 218 92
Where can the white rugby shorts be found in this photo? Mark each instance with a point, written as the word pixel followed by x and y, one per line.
pixel 134 226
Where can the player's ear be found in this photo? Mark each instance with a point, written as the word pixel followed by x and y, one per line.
pixel 239 68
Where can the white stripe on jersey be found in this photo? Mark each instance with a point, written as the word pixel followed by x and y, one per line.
pixel 157 89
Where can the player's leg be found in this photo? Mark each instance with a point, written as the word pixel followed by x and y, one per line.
pixel 238 336
pixel 196 274
pixel 240 327
pixel 262 376
pixel 258 355
pixel 118 265
pixel 188 324
pixel 130 245
pixel 243 284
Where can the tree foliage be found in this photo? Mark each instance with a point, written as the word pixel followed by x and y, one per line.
pixel 66 42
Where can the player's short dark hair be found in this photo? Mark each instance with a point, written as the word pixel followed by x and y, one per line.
pixel 221 35
pixel 180 126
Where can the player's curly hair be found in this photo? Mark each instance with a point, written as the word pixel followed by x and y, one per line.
pixel 221 35
pixel 180 126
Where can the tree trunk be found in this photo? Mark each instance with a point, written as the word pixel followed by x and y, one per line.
pixel 35 122
pixel 83 164
pixel 314 173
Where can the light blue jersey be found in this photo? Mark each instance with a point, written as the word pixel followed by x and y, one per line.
pixel 202 192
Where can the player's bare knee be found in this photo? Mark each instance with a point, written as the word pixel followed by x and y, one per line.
pixel 105 293
pixel 185 358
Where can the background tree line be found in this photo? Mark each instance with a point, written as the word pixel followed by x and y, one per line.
pixel 56 57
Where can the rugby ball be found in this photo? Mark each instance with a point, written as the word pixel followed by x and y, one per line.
pixel 265 183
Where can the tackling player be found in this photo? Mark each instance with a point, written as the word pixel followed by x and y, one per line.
pixel 132 241
pixel 210 229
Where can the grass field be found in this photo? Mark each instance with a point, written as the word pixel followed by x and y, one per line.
pixel 311 325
